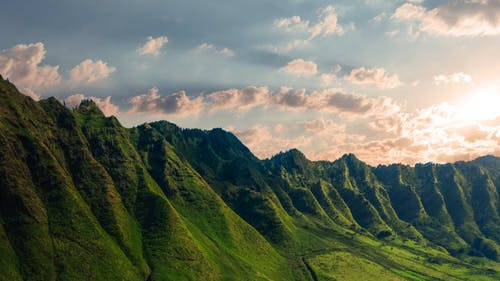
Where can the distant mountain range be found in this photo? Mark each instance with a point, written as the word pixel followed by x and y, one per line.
pixel 83 198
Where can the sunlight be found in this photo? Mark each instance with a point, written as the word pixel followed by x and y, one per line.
pixel 482 104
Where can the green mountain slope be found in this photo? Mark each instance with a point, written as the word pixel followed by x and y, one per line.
pixel 78 202
pixel 82 197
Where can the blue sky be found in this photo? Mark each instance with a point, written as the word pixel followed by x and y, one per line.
pixel 391 81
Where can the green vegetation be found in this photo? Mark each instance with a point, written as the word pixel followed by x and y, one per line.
pixel 82 197
pixel 346 266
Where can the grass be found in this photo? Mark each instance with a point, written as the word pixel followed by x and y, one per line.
pixel 345 266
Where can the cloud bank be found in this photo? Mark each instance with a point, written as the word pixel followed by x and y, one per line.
pixel 89 71
pixel 216 50
pixel 153 102
pixel 374 76
pixel 459 77
pixel 454 18
pixel 300 67
pixel 22 65
pixel 334 101
pixel 326 24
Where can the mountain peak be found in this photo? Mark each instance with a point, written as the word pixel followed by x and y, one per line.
pixel 487 158
pixel 292 159
pixel 2 79
pixel 89 112
pixel 295 151
pixel 490 162
pixel 291 153
pixel 350 158
pixel 89 107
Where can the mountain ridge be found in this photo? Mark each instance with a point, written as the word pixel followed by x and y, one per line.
pixel 83 197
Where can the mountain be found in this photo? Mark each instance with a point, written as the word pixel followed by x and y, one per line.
pixel 82 197
pixel 79 201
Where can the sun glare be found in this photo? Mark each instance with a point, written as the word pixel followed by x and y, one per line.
pixel 482 104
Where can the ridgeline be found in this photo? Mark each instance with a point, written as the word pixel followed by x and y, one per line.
pixel 83 198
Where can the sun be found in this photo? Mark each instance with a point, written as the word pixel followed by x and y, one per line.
pixel 480 105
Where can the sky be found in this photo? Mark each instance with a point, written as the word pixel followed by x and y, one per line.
pixel 390 81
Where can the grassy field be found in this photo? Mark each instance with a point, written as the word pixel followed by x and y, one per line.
pixel 364 258
pixel 347 266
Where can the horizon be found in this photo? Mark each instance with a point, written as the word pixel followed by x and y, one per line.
pixel 373 165
pixel 294 148
pixel 389 81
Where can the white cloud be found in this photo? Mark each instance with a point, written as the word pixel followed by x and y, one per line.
pixel 379 17
pixel 218 51
pixel 442 135
pixel 74 100
pixel 327 78
pixel 287 46
pixel 291 24
pixel 321 135
pixel 265 141
pixel 459 77
pixel 88 72
pixel 374 76
pixel 105 104
pixel 30 93
pixel 349 106
pixel 240 99
pixel 323 126
pixel 152 46
pixel 300 67
pixel 178 104
pixel 454 18
pixel 408 11
pixel 292 99
pixel 21 65
pixel 353 105
pixel 205 46
pixel 438 133
pixel 392 33
pixel 326 24
pixel 226 52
